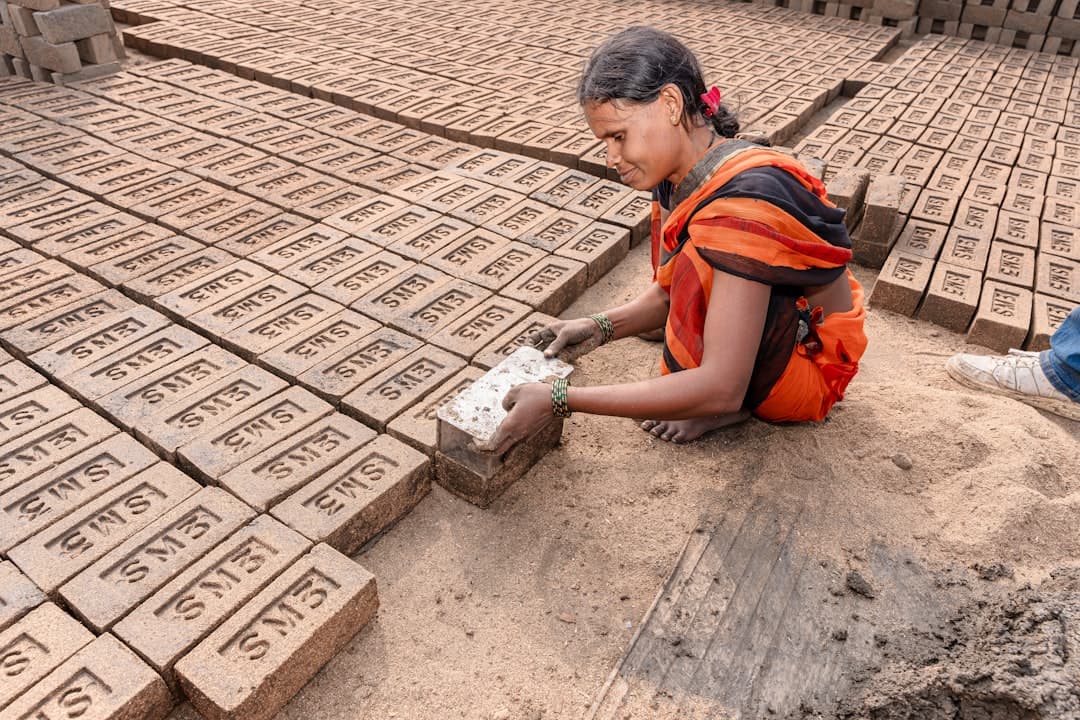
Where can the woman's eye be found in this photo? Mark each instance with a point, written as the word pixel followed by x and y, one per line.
pixel 619 137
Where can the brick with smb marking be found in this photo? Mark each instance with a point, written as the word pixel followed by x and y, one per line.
pixel 901 283
pixel 147 258
pixel 275 327
pixel 102 680
pixel 417 425
pixel 178 273
pixel 1058 277
pixel 190 417
pixel 276 472
pixel 35 646
pixel 74 353
pixel 70 319
pixel 63 230
pixel 382 397
pixel 264 234
pixel 211 288
pixel 633 213
pixel 1049 313
pixel 50 496
pixel 429 311
pixel 59 552
pixel 21 414
pixel 272 421
pixel 423 241
pixel 119 236
pixel 349 285
pixel 339 373
pixel 1003 317
pixel 952 297
pixel 298 354
pixel 41 448
pixel 18 379
pixel 18 309
pixel 549 285
pixel 18 595
pixel 497 350
pixel 249 668
pixel 554 231
pixel 332 260
pixel 296 246
pixel 172 621
pixel 251 302
pixel 142 397
pixel 364 494
pixel 467 334
pixel 600 246
pixel 128 574
pixel 28 278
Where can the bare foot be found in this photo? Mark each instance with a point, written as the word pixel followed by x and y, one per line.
pixel 683 431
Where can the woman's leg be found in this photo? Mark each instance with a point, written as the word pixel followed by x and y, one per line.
pixel 682 431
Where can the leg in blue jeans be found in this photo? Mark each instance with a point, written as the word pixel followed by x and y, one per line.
pixel 1061 362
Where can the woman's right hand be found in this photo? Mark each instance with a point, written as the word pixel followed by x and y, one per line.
pixel 568 339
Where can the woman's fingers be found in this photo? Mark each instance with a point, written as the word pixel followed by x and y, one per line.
pixel 542 338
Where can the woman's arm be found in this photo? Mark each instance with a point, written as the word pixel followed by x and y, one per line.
pixel 570 339
pixel 733 326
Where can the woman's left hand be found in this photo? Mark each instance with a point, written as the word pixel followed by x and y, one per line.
pixel 529 409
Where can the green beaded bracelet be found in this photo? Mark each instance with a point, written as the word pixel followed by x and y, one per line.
pixel 607 328
pixel 559 407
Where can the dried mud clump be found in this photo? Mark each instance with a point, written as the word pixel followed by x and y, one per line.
pixel 1016 657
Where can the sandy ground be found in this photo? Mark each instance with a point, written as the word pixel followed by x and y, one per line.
pixel 523 609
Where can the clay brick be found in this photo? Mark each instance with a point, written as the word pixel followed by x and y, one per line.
pixel 35 645
pixel 496 269
pixel 1048 315
pixel 1003 317
pixel 119 230
pixel 486 206
pixel 600 246
pixel 356 218
pixel 70 319
pixel 17 379
pixel 399 293
pixel 300 353
pixel 421 242
pixel 560 190
pixel 1013 264
pixel 59 552
pixel 278 326
pixel 496 351
pixel 952 297
pixel 160 195
pixel 18 260
pixel 268 423
pixel 234 223
pixel 469 333
pixel 17 595
pixel 335 598
pixel 635 214
pixel 266 478
pixel 1017 228
pixel 382 397
pixel 62 58
pixel 428 311
pixel 84 349
pixel 50 496
pixel 417 426
pixel 130 405
pixel 326 262
pixel 12 215
pixel 360 497
pixel 128 574
pixel 37 275
pixel 73 22
pixel 519 218
pixel 337 374
pixel 192 416
pixel 296 246
pixel 224 281
pixel 1060 240
pixel 20 415
pixel 171 622
pixel 64 226
pixel 105 680
pixel 901 283
pixel 1058 277
pixel 250 303
pixel 147 258
pixel 527 178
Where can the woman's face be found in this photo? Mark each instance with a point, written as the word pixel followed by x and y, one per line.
pixel 644 140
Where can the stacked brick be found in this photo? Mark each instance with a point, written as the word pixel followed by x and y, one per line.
pixel 987 143
pixel 58 41
pixel 1050 26
pixel 520 98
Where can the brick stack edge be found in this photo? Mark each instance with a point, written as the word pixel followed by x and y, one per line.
pixel 58 41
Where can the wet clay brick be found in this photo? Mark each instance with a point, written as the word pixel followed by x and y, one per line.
pixel 1003 318
pixel 1013 264
pixel 1048 315
pixel 901 283
pixel 565 187
pixel 300 353
pixel 353 220
pixel 462 256
pixel 128 574
pixel 468 334
pixel 47 329
pixel 339 373
pixel 550 285
pixel 272 421
pixel 360 497
pixel 35 646
pixel 417 425
pixel 86 348
pixel 427 312
pixel 171 622
pixel 387 228
pixel 21 414
pixel 385 395
pixel 59 552
pixel 952 297
pixel 600 246
pixel 1017 228
pixel 253 301
pixel 178 273
pixel 351 284
pixel 190 417
pixel 498 268
pixel 224 282
pixel 554 231
pixel 17 594
pixel 279 325
pixel 633 213
pixel 133 361
pixel 1058 277
pixel 423 241
pixel 1060 240
pixel 130 405
pixel 276 472
pixel 597 199
pixel 52 495
pixel 517 219
pixel 63 229
pixel 41 448
pixel 248 668
pixel 103 680
pixel 403 292
pixel 18 379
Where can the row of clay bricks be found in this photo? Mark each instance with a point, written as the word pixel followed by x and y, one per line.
pixel 482 102
pixel 415 230
pixel 58 41
pixel 139 551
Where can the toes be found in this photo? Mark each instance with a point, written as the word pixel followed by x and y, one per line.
pixel 670 434
pixel 658 430
pixel 648 425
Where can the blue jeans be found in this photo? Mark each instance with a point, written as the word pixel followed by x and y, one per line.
pixel 1061 362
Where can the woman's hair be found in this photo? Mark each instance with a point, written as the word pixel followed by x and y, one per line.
pixel 634 64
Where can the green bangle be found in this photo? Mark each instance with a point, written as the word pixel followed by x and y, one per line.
pixel 559 406
pixel 607 329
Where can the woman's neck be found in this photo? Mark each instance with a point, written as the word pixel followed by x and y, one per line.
pixel 700 140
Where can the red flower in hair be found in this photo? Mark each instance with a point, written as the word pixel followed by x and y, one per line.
pixel 712 101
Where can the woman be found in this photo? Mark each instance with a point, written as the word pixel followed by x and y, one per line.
pixel 761 315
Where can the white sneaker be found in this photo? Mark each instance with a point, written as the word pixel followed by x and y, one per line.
pixel 1017 375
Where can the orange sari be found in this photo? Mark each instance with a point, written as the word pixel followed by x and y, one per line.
pixel 758 214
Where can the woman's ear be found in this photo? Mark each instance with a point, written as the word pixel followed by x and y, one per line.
pixel 672 101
